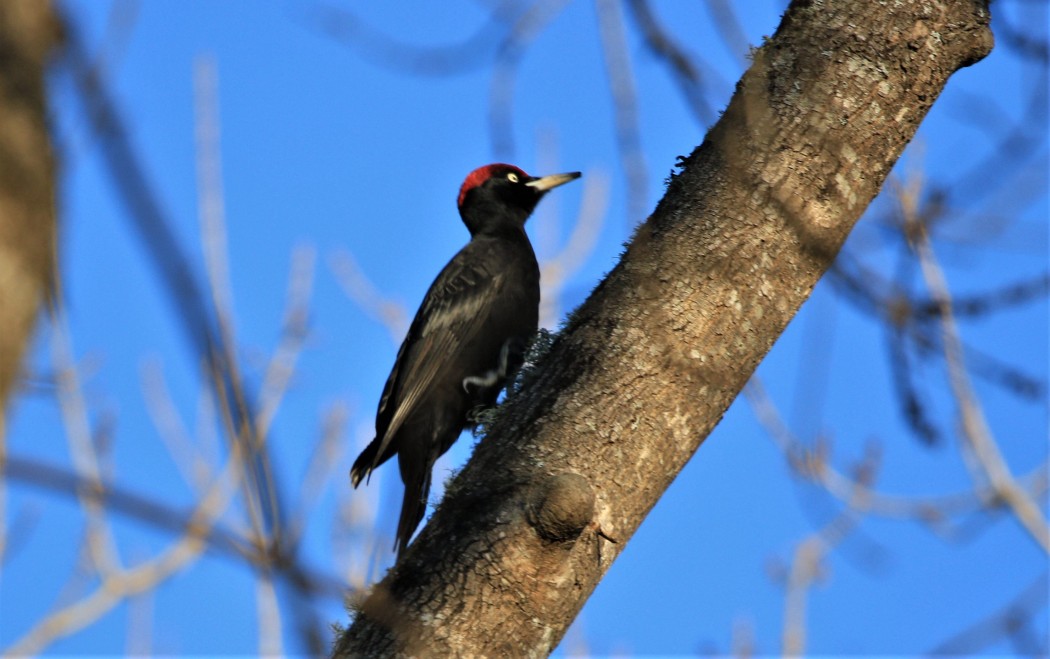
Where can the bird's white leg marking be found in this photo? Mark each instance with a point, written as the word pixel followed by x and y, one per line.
pixel 490 377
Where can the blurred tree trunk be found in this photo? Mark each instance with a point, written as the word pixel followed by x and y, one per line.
pixel 28 31
pixel 651 361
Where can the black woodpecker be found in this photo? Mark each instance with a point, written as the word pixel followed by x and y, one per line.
pixel 467 338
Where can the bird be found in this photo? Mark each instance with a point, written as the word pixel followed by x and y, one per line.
pixel 467 339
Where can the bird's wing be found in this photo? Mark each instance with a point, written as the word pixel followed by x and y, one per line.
pixel 449 318
pixel 384 412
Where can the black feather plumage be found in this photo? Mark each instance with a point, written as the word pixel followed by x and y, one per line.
pixel 467 338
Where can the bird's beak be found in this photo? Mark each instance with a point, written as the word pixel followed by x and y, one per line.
pixel 545 183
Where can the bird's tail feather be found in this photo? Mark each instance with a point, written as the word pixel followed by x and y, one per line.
pixel 363 465
pixel 412 508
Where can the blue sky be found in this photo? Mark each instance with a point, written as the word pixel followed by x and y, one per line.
pixel 325 149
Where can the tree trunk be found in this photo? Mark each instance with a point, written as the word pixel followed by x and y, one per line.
pixel 28 30
pixel 650 362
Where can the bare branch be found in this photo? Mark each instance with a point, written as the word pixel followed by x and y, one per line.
pixel 934 511
pixel 1009 621
pixel 268 616
pixel 100 541
pixel 119 584
pixel 359 288
pixel 556 270
pixel 806 569
pixel 188 458
pixel 625 106
pixel 293 336
pixel 975 429
pixel 512 47
pixel 322 468
pixel 140 625
pixel 154 514
pixel 471 53
pixel 729 29
pixel 684 71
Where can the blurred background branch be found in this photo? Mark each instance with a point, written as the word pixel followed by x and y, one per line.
pixel 213 448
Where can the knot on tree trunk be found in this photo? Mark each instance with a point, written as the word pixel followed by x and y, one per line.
pixel 560 507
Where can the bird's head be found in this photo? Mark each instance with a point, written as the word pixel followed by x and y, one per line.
pixel 501 196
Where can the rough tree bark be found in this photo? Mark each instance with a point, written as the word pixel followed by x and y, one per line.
pixel 651 361
pixel 28 31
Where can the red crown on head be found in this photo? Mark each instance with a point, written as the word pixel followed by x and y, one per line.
pixel 482 174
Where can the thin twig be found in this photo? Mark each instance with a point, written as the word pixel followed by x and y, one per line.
pixel 684 71
pixel 325 458
pixel 729 30
pixel 975 428
pixel 1005 622
pixel 930 510
pixel 294 329
pixel 259 489
pixel 625 106
pixel 393 316
pixel 268 614
pixel 195 469
pixel 807 563
pixel 153 514
pixel 140 623
pixel 524 30
pixel 120 584
pixel 558 269
pixel 472 53
pixel 75 418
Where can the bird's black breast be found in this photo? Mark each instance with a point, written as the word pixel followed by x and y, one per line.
pixel 487 295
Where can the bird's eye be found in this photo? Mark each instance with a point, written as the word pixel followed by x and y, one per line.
pixel 512 177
